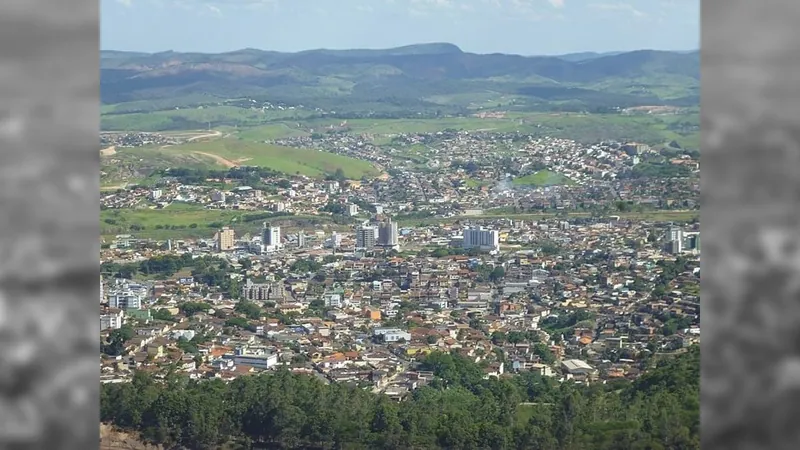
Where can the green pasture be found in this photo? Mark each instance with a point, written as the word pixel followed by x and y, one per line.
pixel 543 178
pixel 313 163
pixel 183 221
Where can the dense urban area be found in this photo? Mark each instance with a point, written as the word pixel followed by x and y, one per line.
pixel 385 272
pixel 418 277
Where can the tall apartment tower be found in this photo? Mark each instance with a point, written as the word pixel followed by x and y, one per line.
pixel 676 239
pixel 482 239
pixel 271 236
pixel 387 234
pixel 365 238
pixel 301 240
pixel 225 239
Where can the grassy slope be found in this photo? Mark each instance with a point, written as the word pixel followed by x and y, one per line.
pixel 289 160
pixel 156 221
pixel 188 118
pixel 542 178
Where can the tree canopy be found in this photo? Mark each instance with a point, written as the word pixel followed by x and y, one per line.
pixel 460 409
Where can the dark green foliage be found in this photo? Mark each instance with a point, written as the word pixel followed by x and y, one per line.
pixel 243 176
pixel 249 309
pixel 115 344
pixel 191 308
pixel 163 314
pixel 565 323
pixel 460 410
pixel 305 266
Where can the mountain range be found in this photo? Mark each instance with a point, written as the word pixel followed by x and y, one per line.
pixel 424 76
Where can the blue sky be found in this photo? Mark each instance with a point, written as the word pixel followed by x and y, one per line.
pixel 526 27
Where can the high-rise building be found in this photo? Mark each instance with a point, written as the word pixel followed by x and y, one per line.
pixel 693 241
pixel 225 239
pixel 365 237
pixel 125 299
pixel 271 237
pixel 335 241
pixel 102 293
pixel 676 239
pixel 301 240
pixel 387 234
pixel 352 210
pixel 485 240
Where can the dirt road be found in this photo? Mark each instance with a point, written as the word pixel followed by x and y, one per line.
pixel 219 160
pixel 203 136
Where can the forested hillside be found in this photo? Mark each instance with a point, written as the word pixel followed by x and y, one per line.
pixel 459 410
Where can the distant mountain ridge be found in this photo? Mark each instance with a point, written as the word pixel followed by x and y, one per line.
pixel 411 75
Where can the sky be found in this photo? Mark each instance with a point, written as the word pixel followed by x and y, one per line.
pixel 524 27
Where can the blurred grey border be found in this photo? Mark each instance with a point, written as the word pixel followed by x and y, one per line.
pixel 750 387
pixel 49 243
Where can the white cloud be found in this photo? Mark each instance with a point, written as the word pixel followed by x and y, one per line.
pixel 214 10
pixel 619 7
pixel 125 3
pixel 433 3
pixel 217 7
pixel 557 3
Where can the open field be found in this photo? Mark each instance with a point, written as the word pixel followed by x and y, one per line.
pixel 184 221
pixel 133 164
pixel 313 163
pixel 194 118
pixel 268 132
pixel 473 183
pixel 543 178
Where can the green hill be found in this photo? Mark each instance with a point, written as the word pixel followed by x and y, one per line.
pixel 406 78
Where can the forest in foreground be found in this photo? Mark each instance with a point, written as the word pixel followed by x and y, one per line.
pixel 458 410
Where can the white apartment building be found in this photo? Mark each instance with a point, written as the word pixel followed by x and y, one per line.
pixel 112 319
pixel 482 239
pixel 271 238
pixel 125 299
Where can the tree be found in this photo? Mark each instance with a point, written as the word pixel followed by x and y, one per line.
pixel 544 352
pixel 458 409
pixel 115 344
pixel 163 314
pixel 192 308
pixel 249 309
pixel 498 338
pixel 497 274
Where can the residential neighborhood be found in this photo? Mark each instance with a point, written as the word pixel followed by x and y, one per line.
pixel 584 299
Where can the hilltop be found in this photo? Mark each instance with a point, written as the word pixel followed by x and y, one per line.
pixel 424 77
